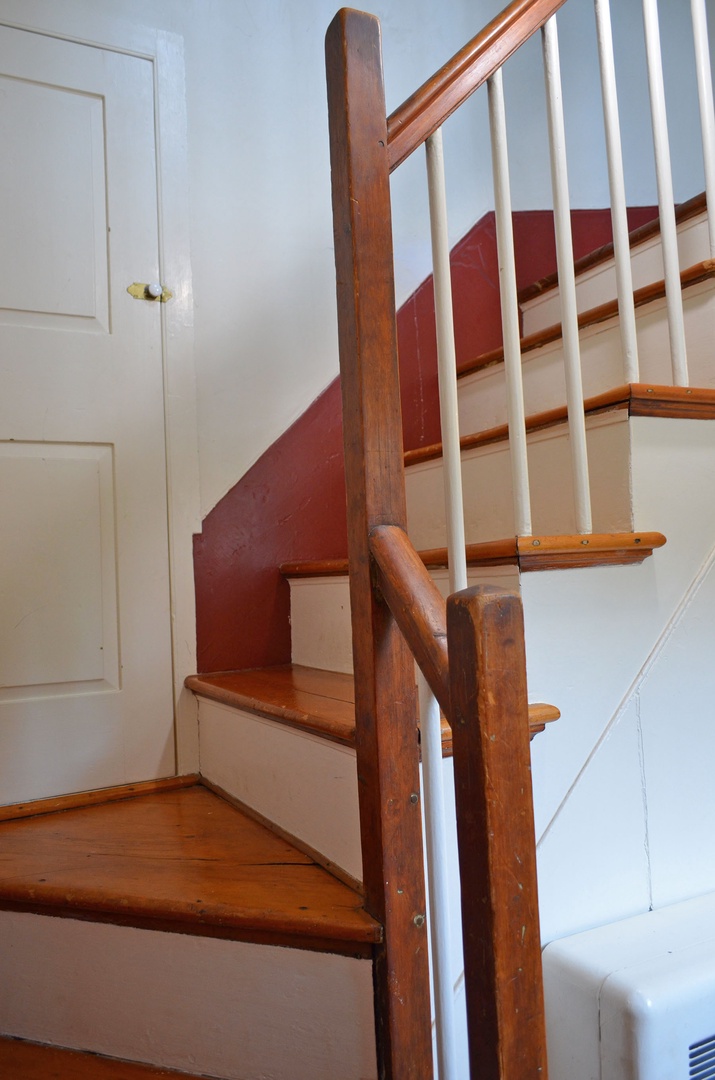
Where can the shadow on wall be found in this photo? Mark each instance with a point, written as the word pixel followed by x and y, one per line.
pixel 290 505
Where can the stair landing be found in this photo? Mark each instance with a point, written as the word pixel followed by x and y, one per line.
pixel 185 861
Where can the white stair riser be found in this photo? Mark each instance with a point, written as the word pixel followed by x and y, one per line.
pixel 228 1009
pixel 488 508
pixel 324 602
pixel 482 399
pixel 598 285
pixel 304 784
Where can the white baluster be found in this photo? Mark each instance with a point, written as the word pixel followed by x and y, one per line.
pixel 567 279
pixel 509 307
pixel 432 771
pixel 437 881
pixel 666 204
pixel 616 181
pixel 707 111
pixel 447 364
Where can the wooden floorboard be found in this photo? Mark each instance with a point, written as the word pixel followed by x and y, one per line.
pixel 20 1060
pixel 184 861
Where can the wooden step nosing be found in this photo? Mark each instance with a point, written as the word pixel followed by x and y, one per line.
pixel 648 294
pixel 637 237
pixel 546 552
pixel 292 718
pixel 499 553
pixel 250 931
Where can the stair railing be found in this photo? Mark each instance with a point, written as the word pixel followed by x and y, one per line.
pixel 471 650
pixel 395 604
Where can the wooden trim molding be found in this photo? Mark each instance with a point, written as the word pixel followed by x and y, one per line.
pixel 80 799
pixel 597 549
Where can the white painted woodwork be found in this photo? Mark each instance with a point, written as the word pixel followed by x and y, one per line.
pixel 509 306
pixel 304 784
pixel 438 877
pixel 228 1009
pixel 481 395
pixel 617 190
pixel 598 284
pixel 623 652
pixel 446 362
pixel 87 697
pixel 707 108
pixel 666 199
pixel 565 266
pixel 326 600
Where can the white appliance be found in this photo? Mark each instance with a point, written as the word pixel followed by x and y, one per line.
pixel 634 1000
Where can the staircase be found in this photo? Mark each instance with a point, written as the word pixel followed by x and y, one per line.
pixel 228 924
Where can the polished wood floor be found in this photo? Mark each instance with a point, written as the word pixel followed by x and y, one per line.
pixel 21 1060
pixel 185 861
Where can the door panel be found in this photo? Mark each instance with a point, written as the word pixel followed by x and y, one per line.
pixel 85 647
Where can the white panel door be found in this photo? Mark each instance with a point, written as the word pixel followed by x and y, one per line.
pixel 85 650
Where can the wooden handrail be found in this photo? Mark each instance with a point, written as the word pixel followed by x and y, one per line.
pixel 428 108
pixel 417 605
pixel 495 828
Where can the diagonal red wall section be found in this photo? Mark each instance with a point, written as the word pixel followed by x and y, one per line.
pixel 290 505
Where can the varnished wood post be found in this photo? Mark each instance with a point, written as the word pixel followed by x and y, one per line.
pixel 386 708
pixel 495 825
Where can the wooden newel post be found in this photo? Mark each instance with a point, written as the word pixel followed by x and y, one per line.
pixel 385 697
pixel 495 823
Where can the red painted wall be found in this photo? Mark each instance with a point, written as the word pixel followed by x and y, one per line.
pixel 291 504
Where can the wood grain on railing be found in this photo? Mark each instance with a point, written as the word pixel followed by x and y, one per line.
pixel 495 826
pixel 386 731
pixel 427 109
pixel 417 605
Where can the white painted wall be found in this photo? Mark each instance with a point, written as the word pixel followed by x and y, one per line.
pixel 260 221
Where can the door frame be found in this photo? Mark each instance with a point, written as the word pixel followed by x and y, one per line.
pixel 165 51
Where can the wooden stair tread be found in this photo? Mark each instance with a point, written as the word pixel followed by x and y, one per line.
pixel 322 702
pixel 693 275
pixel 185 861
pixel 21 1060
pixel 639 399
pixel 283 685
pixel 683 212
pixel 526 552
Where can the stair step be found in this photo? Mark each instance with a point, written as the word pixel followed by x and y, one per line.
pixel 684 212
pixel 301 696
pixel 638 399
pixel 184 861
pixel 22 1060
pixel 526 552
pixel 693 275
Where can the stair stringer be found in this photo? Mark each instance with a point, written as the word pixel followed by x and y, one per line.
pixel 624 653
